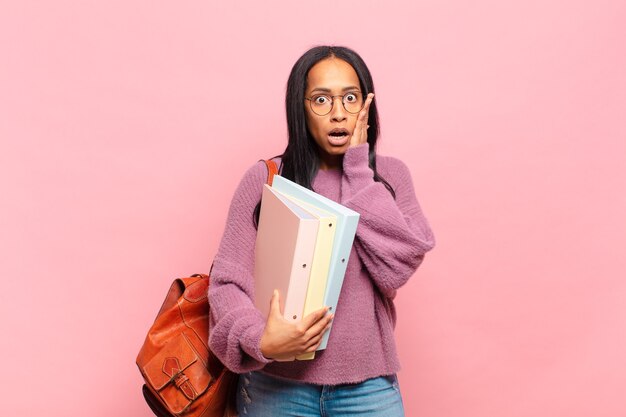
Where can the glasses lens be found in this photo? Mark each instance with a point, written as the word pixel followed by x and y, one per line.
pixel 321 104
pixel 353 102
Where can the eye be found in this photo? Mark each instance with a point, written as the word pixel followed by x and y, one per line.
pixel 320 100
pixel 351 98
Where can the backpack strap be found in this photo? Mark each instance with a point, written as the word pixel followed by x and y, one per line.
pixel 272 170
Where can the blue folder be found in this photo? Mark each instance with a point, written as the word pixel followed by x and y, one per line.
pixel 347 221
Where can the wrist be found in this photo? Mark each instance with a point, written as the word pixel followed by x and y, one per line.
pixel 265 350
pixel 356 161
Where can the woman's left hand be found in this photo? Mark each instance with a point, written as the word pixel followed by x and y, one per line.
pixel 359 135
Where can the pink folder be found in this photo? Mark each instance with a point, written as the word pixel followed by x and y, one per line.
pixel 284 251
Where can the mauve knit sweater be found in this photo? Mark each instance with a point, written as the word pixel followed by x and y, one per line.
pixel 391 240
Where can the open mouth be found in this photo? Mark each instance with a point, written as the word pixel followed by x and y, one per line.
pixel 338 137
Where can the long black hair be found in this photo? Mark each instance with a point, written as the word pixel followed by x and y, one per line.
pixel 300 160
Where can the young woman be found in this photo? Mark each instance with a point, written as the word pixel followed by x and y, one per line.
pixel 333 128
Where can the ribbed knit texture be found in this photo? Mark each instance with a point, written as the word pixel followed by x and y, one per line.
pixel 391 241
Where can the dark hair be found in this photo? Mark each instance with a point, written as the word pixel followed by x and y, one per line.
pixel 300 160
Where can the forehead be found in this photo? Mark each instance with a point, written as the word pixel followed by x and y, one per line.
pixel 332 73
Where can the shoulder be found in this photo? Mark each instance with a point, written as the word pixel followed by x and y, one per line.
pixel 256 172
pixel 251 184
pixel 393 170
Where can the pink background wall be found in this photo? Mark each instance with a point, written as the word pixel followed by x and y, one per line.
pixel 126 125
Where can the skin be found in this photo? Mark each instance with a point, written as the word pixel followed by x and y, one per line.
pixel 282 339
pixel 336 75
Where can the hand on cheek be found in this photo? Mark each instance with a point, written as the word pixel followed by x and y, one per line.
pixel 359 135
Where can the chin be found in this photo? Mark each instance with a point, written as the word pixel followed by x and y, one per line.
pixel 337 150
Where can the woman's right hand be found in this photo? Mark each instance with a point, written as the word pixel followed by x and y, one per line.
pixel 282 339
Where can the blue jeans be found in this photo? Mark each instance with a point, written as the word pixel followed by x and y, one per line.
pixel 261 395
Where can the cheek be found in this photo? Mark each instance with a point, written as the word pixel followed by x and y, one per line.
pixel 314 126
pixel 352 124
pixel 310 122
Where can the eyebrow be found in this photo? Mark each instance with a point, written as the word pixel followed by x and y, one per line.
pixel 327 90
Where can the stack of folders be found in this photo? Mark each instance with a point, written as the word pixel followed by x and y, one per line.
pixel 302 249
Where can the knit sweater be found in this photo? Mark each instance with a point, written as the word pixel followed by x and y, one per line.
pixel 390 243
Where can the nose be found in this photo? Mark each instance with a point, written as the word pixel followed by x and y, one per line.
pixel 338 113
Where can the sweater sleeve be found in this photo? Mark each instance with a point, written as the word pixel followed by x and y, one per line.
pixel 393 235
pixel 235 324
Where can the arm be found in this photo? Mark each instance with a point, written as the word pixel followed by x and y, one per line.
pixel 239 336
pixel 235 324
pixel 393 235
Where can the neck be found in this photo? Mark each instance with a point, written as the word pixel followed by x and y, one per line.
pixel 331 162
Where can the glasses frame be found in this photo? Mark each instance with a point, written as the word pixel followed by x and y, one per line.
pixel 332 102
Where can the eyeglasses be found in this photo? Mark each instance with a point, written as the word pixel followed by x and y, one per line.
pixel 322 104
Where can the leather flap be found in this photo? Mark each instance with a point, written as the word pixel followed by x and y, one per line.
pixel 176 356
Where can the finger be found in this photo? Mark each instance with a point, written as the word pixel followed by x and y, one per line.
pixel 315 342
pixel 275 304
pixel 313 345
pixel 362 119
pixel 314 317
pixel 366 106
pixel 316 339
pixel 359 135
pixel 319 327
pixel 364 114
pixel 313 348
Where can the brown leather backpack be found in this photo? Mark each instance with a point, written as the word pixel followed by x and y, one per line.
pixel 182 377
